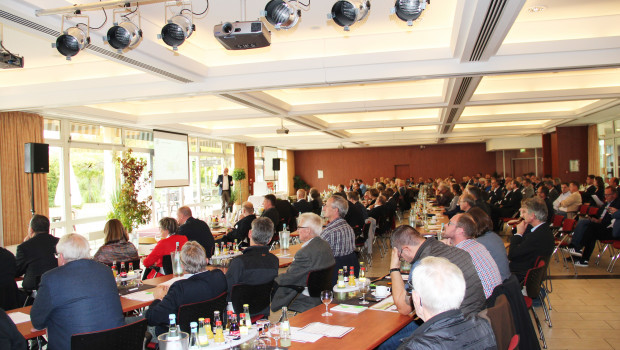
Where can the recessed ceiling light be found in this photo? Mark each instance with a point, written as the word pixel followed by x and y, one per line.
pixel 535 9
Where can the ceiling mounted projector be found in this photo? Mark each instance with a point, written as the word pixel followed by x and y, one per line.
pixel 281 14
pixel 125 35
pixel 242 35
pixel 409 10
pixel 282 131
pixel 346 12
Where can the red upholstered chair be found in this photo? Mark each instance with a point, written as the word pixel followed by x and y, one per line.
pixel 532 284
pixel 562 239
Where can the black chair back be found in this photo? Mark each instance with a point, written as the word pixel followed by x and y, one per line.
pixel 346 260
pixel 257 296
pixel 127 337
pixel 320 280
pixel 533 279
pixel 166 263
pixel 192 312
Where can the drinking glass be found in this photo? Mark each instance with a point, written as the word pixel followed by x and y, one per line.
pixel 263 326
pixel 275 333
pixel 364 286
pixel 326 297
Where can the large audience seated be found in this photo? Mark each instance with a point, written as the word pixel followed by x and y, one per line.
pixel 450 283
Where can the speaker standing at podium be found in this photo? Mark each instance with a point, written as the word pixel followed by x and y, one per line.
pixel 225 183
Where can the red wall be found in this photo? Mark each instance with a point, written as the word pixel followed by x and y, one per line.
pixel 341 165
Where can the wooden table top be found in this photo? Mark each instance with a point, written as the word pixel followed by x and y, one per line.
pixel 441 220
pixel 371 327
pixel 290 254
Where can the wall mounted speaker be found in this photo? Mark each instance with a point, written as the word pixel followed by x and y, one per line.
pixel 276 164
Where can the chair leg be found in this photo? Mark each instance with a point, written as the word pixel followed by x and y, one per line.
pixel 612 262
pixel 545 310
pixel 601 251
pixel 540 330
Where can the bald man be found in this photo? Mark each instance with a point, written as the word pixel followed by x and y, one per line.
pixel 225 184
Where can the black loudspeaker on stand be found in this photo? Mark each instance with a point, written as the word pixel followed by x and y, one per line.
pixel 276 164
pixel 36 161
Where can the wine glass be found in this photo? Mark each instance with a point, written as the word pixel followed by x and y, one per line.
pixel 274 330
pixel 263 326
pixel 326 297
pixel 364 285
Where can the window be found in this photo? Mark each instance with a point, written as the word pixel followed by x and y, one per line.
pixel 51 129
pixel 95 133
pixel 139 139
pixel 55 185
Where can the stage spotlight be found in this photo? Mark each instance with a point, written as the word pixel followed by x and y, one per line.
pixel 73 39
pixel 125 35
pixel 409 10
pixel 281 14
pixel 346 12
pixel 179 26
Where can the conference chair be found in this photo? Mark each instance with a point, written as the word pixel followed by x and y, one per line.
pixel 127 337
pixel 361 245
pixel 615 248
pixel 562 239
pixel 192 312
pixel 258 297
pixel 317 281
pixel 532 284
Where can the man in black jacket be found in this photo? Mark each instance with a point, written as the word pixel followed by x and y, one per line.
pixel 36 255
pixel 438 290
pixel 195 230
pixel 8 287
pixel 302 205
pixel 224 183
pixel 533 238
pixel 256 265
pixel 270 211
pixel 242 227
pixel 201 285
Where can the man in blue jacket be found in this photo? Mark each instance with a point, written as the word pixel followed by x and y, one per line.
pixel 79 296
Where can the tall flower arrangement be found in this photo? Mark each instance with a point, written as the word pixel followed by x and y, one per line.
pixel 125 204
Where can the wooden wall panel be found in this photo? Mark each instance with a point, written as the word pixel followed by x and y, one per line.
pixel 290 171
pixel 572 144
pixel 16 129
pixel 546 149
pixel 594 166
pixel 251 169
pixel 341 165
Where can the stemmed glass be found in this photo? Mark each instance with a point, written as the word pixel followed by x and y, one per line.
pixel 326 297
pixel 275 333
pixel 364 285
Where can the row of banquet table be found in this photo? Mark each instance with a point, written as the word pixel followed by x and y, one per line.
pixel 371 327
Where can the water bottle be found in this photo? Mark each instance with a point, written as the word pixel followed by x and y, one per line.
pixel 193 337
pixel 285 329
pixel 173 330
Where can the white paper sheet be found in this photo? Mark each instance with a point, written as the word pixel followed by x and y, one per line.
pixel 144 295
pixel 327 330
pixel 19 317
pixel 303 337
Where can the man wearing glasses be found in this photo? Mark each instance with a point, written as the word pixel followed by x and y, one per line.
pixel 409 245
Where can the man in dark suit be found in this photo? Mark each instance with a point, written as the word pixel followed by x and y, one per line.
pixel 10 337
pixel 8 287
pixel 596 228
pixel 195 230
pixel 356 216
pixel 302 205
pixel 287 215
pixel 242 227
pixel 79 296
pixel 590 189
pixel 256 265
pixel 200 286
pixel 36 255
pixel 533 238
pixel 315 254
pixel 270 211
pixel 496 194
pixel 225 183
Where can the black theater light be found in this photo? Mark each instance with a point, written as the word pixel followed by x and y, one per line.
pixel 345 13
pixel 281 14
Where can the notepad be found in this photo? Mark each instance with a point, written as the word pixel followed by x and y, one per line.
pixel 327 330
pixel 143 295
pixel 385 305
pixel 19 317
pixel 353 309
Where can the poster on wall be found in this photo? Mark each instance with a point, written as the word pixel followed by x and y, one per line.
pixel 573 165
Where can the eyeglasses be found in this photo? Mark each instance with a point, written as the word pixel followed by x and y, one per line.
pixel 298 227
pixel 451 223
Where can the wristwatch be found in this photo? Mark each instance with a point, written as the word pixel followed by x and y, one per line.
pixel 395 269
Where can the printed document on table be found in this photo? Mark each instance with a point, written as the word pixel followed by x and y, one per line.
pixel 19 317
pixel 143 295
pixel 303 337
pixel 327 330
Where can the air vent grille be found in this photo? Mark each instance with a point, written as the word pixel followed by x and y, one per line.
pixel 493 15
